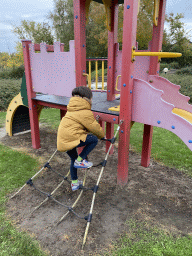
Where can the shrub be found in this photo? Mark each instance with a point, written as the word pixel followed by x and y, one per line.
pixel 172 65
pixel 186 70
pixel 93 74
pixel 4 73
pixel 8 90
pixel 15 72
pixel 163 65
pixel 185 81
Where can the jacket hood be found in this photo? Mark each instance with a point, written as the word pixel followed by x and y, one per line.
pixel 78 103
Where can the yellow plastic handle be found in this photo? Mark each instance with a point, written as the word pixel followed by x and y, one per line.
pixel 117 83
pixel 156 12
pixel 159 54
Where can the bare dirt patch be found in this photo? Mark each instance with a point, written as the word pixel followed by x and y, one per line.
pixel 158 194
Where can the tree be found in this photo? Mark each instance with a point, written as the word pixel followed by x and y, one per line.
pixel 177 39
pixel 177 33
pixel 16 59
pixel 97 17
pixel 96 31
pixel 145 23
pixel 63 23
pixel 4 57
pixel 37 32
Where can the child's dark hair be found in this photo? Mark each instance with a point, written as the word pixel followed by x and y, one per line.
pixel 82 91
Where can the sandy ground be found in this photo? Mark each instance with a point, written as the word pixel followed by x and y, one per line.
pixel 159 195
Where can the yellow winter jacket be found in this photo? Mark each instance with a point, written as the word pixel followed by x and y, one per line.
pixel 76 124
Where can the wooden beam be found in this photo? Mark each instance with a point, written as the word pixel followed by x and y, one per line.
pixel 33 114
pixel 129 40
pixel 156 46
pixel 112 40
pixel 80 41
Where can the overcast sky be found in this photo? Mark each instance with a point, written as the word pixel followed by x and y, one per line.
pixel 13 11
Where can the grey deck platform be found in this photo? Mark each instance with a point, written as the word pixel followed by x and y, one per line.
pixel 100 103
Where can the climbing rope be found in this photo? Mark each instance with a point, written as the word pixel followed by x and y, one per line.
pixel 35 174
pixel 83 188
pixel 50 196
pixel 52 193
pixel 50 168
pixel 75 203
pixel 30 182
pixel 97 186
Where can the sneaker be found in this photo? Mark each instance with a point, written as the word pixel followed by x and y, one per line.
pixel 83 164
pixel 76 186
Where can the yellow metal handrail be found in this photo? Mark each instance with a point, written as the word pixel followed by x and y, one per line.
pixel 96 72
pixel 89 79
pixel 103 74
pixel 159 54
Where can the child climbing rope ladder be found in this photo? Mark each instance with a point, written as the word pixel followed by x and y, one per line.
pixel 81 138
pixel 73 132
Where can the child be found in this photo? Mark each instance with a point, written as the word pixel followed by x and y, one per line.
pixel 74 132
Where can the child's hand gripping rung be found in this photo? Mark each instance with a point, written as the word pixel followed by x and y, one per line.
pixel 110 140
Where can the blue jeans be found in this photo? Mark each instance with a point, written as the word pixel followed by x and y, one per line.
pixel 90 143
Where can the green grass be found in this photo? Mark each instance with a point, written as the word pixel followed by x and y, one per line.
pixel 2 119
pixel 51 117
pixel 142 240
pixel 15 169
pixel 167 148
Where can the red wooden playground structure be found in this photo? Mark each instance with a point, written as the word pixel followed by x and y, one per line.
pixel 145 97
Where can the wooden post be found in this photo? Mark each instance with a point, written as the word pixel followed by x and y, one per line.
pixel 112 40
pixel 34 122
pixel 156 46
pixel 157 39
pixel 129 41
pixel 80 41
